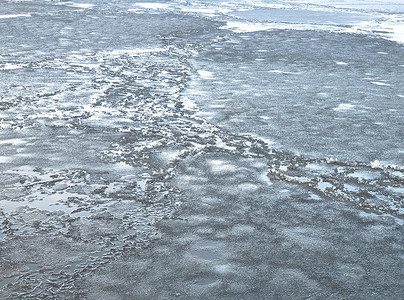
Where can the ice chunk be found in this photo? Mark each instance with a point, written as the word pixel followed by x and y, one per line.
pixel 375 164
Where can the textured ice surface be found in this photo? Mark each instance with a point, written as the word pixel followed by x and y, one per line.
pixel 268 243
pixel 148 152
pixel 335 110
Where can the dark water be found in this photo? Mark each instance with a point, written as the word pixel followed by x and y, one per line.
pixel 177 150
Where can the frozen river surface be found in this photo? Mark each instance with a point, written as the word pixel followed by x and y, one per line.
pixel 201 150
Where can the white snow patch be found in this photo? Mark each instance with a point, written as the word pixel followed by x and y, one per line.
pixel 14 16
pixel 16 142
pixel 154 6
pixel 205 74
pixel 240 27
pixel 219 166
pixel 343 106
pixel 265 117
pixel 9 66
pixel 380 83
pixel 188 104
pixel 283 72
pixel 391 27
pixel 135 10
pixel 4 159
pixel 82 5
